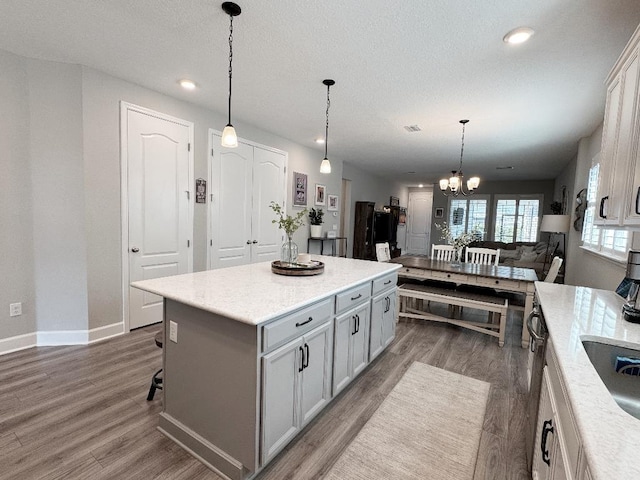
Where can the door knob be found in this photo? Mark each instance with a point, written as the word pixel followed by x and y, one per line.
pixel 248 242
pixel 135 249
pixel 255 241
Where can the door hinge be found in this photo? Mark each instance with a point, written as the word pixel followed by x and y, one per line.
pixel 211 243
pixel 188 147
pixel 188 243
pixel 188 194
pixel 212 152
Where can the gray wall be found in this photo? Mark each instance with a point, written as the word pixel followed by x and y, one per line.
pixel 17 283
pixel 544 187
pixel 366 187
pixel 60 157
pixel 583 267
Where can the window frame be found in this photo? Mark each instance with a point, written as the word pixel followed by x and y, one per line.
pixel 485 197
pixel 517 198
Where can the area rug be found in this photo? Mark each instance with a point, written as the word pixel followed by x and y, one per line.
pixel 428 427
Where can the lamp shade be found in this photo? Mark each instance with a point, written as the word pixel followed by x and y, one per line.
pixel 555 223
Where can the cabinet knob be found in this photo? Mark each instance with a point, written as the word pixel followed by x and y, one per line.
pixel 135 249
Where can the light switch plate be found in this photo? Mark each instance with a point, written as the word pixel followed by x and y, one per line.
pixel 173 331
pixel 15 309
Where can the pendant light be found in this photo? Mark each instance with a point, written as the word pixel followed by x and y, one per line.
pixel 229 137
pixel 325 166
pixel 455 184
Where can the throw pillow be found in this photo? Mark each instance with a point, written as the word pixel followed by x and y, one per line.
pixel 540 247
pixel 528 256
pixel 540 257
pixel 512 254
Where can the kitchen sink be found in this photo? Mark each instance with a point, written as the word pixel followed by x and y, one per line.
pixel 619 369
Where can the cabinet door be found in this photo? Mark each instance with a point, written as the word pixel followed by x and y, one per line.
pixel 389 318
pixel 545 438
pixel 359 351
pixel 316 374
pixel 632 89
pixel 343 330
pixel 376 336
pixel 280 389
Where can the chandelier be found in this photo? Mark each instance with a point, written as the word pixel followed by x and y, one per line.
pixel 454 185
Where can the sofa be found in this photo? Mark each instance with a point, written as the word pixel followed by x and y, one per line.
pixel 519 254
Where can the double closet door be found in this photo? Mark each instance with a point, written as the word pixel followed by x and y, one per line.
pixel 243 182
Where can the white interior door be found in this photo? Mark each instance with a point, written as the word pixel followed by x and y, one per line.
pixel 231 191
pixel 268 186
pixel 419 222
pixel 159 215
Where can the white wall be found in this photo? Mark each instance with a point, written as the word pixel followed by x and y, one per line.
pixel 583 267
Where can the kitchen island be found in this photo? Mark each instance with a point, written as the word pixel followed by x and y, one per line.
pixel 250 357
pixel 599 439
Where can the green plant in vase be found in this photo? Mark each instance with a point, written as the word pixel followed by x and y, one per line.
pixel 289 251
pixel 315 219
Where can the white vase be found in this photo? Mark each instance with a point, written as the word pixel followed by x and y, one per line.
pixel 316 231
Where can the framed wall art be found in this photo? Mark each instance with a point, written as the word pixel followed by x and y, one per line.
pixel 299 189
pixel 320 198
pixel 332 202
pixel 201 190
pixel 440 212
pixel 394 202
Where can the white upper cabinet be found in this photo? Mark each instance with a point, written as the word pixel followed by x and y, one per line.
pixel 619 187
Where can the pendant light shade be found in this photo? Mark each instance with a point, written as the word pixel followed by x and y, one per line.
pixel 325 166
pixel 455 184
pixel 229 137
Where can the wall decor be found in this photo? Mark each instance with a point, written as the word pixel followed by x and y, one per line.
pixel 581 206
pixel 332 202
pixel 402 219
pixel 201 190
pixel 439 212
pixel 320 194
pixel 394 201
pixel 299 189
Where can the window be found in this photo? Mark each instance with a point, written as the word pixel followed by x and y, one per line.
pixel 468 215
pixel 607 241
pixel 517 218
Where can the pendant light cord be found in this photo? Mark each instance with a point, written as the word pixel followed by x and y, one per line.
pixel 230 61
pixel 326 129
pixel 462 148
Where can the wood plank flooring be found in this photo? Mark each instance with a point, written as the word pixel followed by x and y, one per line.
pixel 80 412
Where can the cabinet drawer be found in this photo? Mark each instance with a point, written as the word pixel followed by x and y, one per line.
pixel 281 331
pixel 383 283
pixel 413 272
pixel 450 277
pixel 352 297
pixel 498 283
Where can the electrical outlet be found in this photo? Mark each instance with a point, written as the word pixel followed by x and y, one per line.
pixel 15 309
pixel 173 331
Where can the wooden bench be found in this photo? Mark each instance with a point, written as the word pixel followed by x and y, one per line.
pixel 496 306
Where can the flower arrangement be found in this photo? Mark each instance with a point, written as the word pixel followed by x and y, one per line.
pixel 286 222
pixel 461 241
pixel 315 216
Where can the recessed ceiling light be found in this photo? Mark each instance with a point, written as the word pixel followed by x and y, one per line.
pixel 518 35
pixel 319 140
pixel 505 168
pixel 187 84
pixel 421 185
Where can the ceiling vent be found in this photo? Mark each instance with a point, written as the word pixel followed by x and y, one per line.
pixel 412 128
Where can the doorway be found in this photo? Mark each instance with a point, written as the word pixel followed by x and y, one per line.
pixel 157 208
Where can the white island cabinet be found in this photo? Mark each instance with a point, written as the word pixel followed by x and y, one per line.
pixel 255 354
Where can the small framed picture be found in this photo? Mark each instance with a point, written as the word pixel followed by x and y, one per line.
pixel 439 212
pixel 299 189
pixel 394 202
pixel 320 194
pixel 332 202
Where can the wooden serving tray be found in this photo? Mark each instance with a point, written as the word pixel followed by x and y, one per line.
pixel 297 269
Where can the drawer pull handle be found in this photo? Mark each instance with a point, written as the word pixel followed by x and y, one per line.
pixel 602 200
pixel 497 282
pixel 301 367
pixel 299 324
pixel 306 363
pixel 356 297
pixel 387 282
pixel 448 275
pixel 547 428
pixel 637 200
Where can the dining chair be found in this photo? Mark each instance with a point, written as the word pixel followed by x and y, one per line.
pixel 383 253
pixel 442 252
pixel 483 256
pixel 556 263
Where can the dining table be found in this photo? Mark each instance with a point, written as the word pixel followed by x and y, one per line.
pixel 502 278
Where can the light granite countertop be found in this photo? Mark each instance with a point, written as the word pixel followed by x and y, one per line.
pixel 610 436
pixel 253 294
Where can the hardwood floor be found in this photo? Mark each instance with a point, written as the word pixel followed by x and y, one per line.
pixel 81 412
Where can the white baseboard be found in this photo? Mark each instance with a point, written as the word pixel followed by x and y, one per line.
pixel 19 342
pixel 62 337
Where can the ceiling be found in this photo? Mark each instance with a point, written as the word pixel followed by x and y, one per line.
pixel 396 63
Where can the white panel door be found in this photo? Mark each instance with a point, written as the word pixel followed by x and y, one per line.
pixel 268 186
pixel 158 200
pixel 419 222
pixel 231 210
